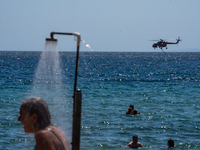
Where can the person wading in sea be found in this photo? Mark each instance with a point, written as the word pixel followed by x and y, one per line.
pixel 135 143
pixel 131 111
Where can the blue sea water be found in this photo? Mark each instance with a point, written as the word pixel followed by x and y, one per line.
pixel 164 88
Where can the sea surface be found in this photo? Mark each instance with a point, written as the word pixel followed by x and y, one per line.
pixel 163 88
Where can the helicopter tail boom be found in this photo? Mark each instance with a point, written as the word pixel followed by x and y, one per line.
pixel 178 40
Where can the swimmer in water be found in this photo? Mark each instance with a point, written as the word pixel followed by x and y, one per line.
pixel 135 112
pixel 131 111
pixel 170 143
pixel 135 143
pixel 35 116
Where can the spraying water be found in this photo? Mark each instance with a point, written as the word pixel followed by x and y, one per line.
pixel 87 45
pixel 47 83
pixel 48 74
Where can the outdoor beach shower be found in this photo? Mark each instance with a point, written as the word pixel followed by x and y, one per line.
pixel 77 93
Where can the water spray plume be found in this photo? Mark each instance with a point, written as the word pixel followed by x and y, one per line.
pixel 87 45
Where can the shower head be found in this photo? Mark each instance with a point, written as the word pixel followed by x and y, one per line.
pixel 51 38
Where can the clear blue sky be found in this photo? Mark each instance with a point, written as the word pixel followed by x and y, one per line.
pixel 107 25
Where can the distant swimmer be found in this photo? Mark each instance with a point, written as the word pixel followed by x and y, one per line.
pixel 135 112
pixel 135 143
pixel 131 111
pixel 170 143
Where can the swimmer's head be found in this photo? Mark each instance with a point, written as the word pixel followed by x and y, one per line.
pixel 134 111
pixel 131 106
pixel 170 143
pixel 135 138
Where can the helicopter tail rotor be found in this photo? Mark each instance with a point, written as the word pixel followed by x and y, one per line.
pixel 178 39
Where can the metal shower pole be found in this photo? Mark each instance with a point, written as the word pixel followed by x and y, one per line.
pixel 77 96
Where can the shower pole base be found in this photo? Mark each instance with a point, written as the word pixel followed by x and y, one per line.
pixel 76 120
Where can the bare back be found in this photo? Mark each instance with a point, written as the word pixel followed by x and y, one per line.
pixel 52 138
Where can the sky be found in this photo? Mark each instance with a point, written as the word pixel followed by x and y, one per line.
pixel 106 25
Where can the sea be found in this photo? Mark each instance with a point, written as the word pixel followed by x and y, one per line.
pixel 163 87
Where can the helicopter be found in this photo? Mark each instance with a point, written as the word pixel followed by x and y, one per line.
pixel 162 43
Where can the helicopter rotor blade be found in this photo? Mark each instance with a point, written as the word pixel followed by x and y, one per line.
pixel 178 39
pixel 164 40
pixel 171 39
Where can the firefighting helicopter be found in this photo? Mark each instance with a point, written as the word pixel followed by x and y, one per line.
pixel 162 43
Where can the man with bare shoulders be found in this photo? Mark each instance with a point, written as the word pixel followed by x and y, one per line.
pixel 35 116
pixel 135 143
